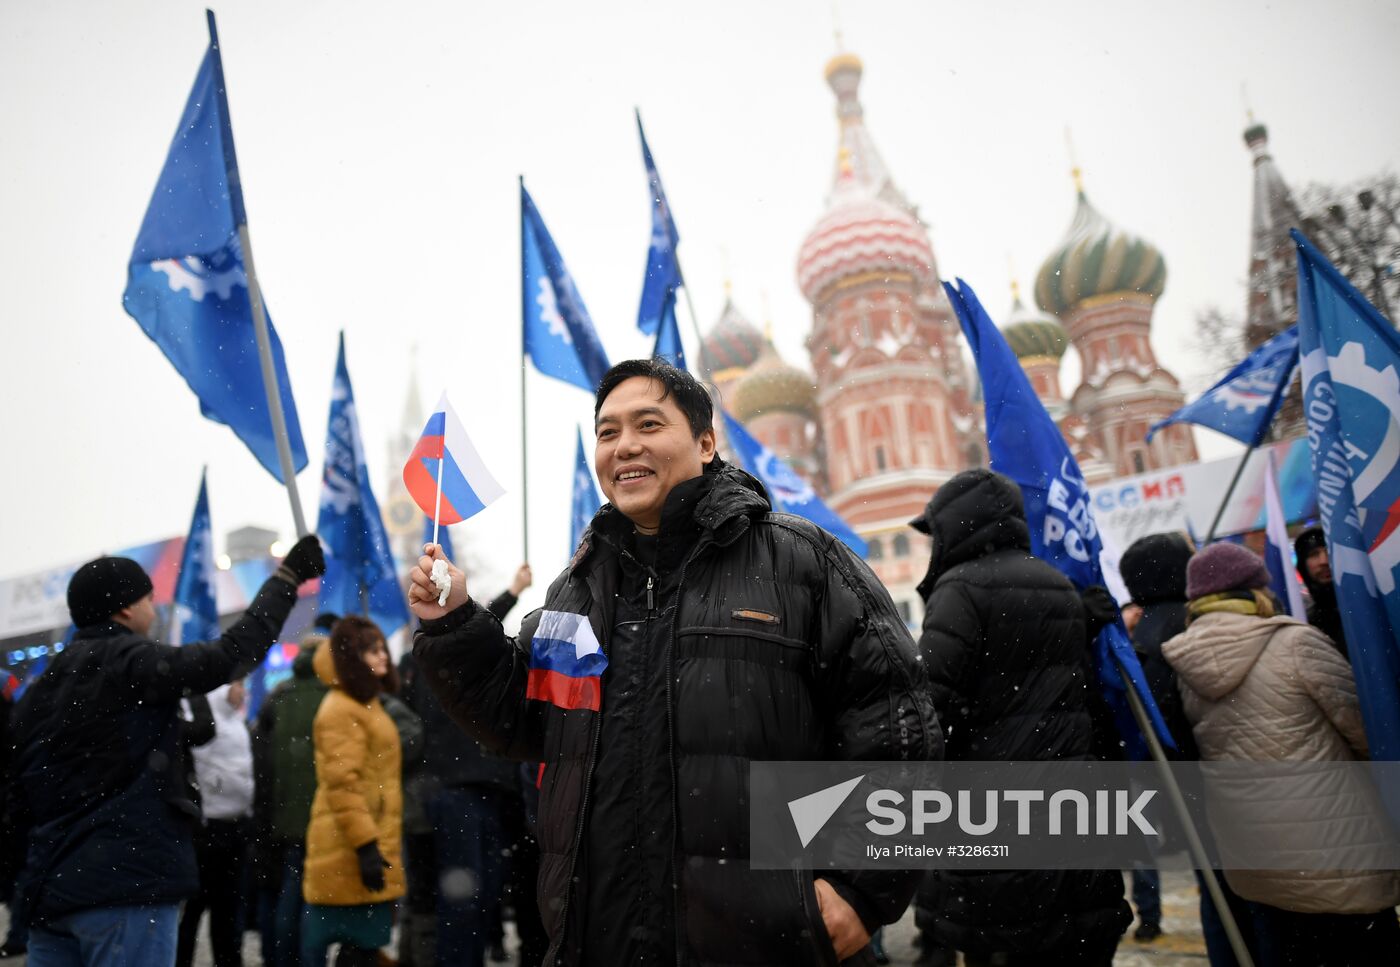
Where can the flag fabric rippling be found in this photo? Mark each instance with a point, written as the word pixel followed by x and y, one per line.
pixel 1025 444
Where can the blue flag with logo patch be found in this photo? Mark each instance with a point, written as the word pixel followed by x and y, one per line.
pixel 585 502
pixel 559 335
pixel 360 576
pixel 186 285
pixel 787 491
pixel 1027 446
pixel 444 538
pixel 663 275
pixel 1242 405
pixel 1351 398
pixel 196 613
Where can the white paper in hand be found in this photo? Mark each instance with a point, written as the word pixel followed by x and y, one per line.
pixel 442 580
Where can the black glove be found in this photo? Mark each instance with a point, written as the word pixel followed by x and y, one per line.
pixel 1100 610
pixel 372 866
pixel 305 560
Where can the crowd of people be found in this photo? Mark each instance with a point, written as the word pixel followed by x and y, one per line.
pixel 587 778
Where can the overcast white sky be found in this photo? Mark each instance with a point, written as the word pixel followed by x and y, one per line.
pixel 379 145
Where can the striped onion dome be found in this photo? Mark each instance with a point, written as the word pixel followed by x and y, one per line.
pixel 1097 258
pixel 733 343
pixel 860 234
pixel 771 385
pixel 1031 332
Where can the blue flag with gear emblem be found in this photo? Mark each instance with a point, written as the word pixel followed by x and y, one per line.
pixel 186 285
pixel 1025 444
pixel 196 612
pixel 360 577
pixel 559 335
pixel 585 502
pixel 1243 404
pixel 787 491
pixel 1351 398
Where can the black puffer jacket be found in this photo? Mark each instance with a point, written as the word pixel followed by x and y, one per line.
pixel 782 645
pixel 1154 571
pixel 101 765
pixel 1006 645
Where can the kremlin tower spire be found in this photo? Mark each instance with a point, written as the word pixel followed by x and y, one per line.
pixel 1273 274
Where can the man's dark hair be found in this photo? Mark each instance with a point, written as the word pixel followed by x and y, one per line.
pixel 689 394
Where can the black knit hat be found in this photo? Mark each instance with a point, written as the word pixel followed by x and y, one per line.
pixel 1308 541
pixel 101 588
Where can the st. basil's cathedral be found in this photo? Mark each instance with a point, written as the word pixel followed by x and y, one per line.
pixel 890 410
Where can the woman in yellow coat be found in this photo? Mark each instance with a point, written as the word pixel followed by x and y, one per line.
pixel 353 868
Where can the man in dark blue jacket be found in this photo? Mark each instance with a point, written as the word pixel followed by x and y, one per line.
pixel 100 764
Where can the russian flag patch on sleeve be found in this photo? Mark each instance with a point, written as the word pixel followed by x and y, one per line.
pixel 566 662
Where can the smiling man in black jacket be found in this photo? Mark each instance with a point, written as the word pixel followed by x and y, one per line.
pixel 100 764
pixel 694 631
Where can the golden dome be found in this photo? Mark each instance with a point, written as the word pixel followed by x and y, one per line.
pixel 771 386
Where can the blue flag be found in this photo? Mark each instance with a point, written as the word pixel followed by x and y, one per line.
pixel 1027 446
pixel 559 335
pixel 1242 405
pixel 586 502
pixel 668 340
pixel 359 576
pixel 444 538
pixel 186 285
pixel 1351 396
pixel 196 614
pixel 787 491
pixel 663 271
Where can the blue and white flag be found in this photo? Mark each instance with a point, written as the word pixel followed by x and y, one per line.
pixel 360 577
pixel 1278 549
pixel 1027 446
pixel 1351 397
pixel 787 491
pixel 1243 404
pixel 559 335
pixel 668 340
pixel 186 285
pixel 195 611
pixel 444 538
pixel 586 502
pixel 663 270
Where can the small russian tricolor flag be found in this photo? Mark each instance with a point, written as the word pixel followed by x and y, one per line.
pixel 467 486
pixel 566 662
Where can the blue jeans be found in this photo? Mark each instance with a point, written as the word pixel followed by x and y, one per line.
pixel 468 841
pixel 281 911
pixel 142 936
pixel 1147 895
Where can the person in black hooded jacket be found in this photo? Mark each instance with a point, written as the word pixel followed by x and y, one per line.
pixel 1006 642
pixel 723 633
pixel 101 767
pixel 1310 547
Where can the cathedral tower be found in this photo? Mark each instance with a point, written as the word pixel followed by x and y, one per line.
pixel 1103 282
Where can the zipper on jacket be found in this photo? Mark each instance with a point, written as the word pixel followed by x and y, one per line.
pixel 651 601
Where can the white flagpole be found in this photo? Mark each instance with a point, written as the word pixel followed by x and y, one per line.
pixel 437 506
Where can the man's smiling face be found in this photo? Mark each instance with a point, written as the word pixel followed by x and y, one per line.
pixel 644 448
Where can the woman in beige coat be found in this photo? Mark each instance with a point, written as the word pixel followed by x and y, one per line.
pixel 1264 687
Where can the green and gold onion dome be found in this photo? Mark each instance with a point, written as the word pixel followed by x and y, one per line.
pixel 1097 258
pixel 732 345
pixel 772 386
pixel 1032 333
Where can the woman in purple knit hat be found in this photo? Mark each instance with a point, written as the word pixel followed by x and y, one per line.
pixel 1258 685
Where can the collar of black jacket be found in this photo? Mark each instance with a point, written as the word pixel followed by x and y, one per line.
pixel 107 629
pixel 718 505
